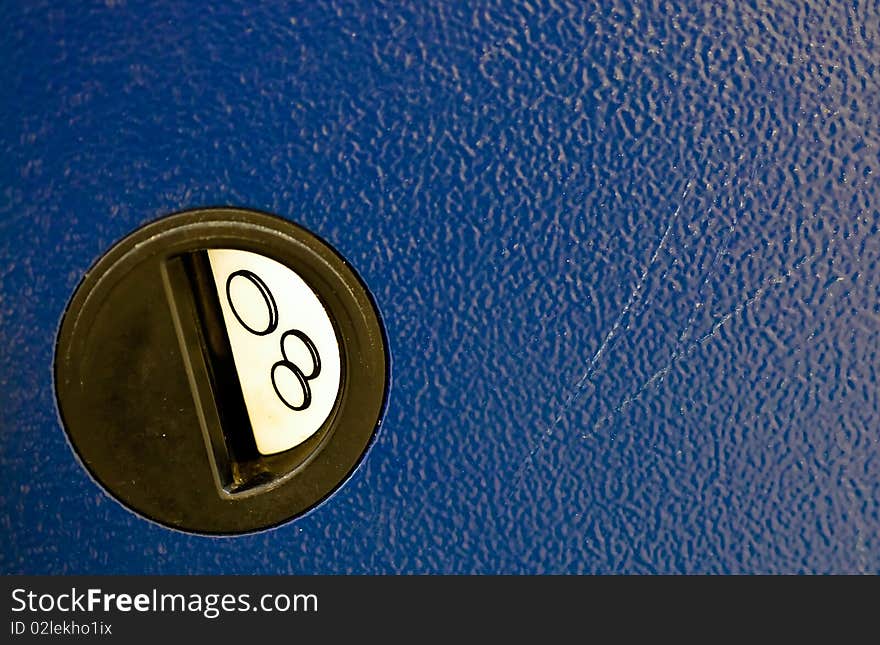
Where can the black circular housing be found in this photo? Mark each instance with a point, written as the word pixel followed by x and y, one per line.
pixel 147 387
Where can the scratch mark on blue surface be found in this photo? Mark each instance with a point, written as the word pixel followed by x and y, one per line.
pixel 773 281
pixel 719 253
pixel 592 364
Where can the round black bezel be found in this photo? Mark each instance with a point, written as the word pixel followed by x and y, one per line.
pixel 326 461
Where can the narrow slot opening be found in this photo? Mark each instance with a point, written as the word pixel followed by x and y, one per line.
pixel 246 466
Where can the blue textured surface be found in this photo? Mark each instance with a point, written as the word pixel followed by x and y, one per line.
pixel 627 258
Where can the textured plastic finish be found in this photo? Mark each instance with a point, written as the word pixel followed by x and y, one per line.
pixel 626 254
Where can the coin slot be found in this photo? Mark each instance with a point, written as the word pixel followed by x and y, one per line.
pixel 167 397
pixel 240 467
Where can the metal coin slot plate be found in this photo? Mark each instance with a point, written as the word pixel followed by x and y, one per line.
pixel 221 350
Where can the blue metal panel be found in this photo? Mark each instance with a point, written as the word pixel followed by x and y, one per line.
pixel 627 257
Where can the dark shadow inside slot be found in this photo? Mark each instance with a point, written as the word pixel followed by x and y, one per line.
pixel 246 464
